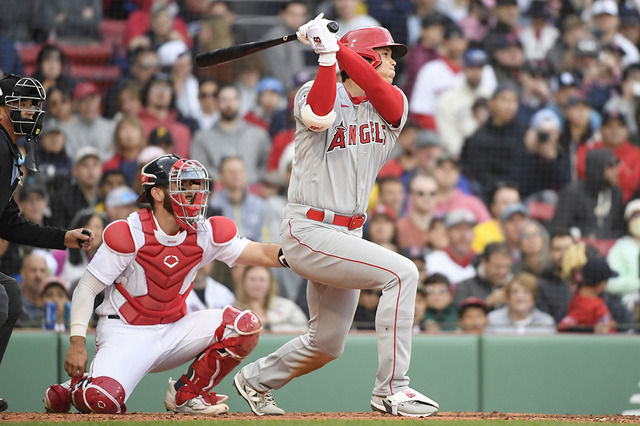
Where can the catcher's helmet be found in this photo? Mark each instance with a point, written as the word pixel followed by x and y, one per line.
pixel 364 40
pixel 15 93
pixel 188 184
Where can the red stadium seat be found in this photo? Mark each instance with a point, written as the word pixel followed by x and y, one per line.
pixel 91 54
pixel 603 246
pixel 540 211
pixel 29 54
pixel 112 31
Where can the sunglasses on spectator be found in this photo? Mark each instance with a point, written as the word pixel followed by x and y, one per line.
pixel 437 290
pixel 423 193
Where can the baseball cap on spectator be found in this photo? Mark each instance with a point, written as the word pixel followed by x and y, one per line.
pixel 545 119
pixel 458 217
pixel 567 79
pixel 612 115
pixel 84 89
pixel 597 270
pixel 270 83
pixel 511 209
pixel 149 153
pixel 632 207
pixel 53 128
pixel 509 40
pixel 382 210
pixel 120 196
pixel 299 79
pixel 630 19
pixel 452 31
pixel 539 9
pixel 504 87
pixel 171 51
pixel 160 136
pixel 425 138
pixel 29 189
pixel 475 58
pixel 448 157
pixel 433 18
pixel 53 281
pixel 614 48
pixel 534 67
pixel 506 2
pixel 604 7
pixel 587 47
pixel 472 302
pixel 85 152
pixel 579 98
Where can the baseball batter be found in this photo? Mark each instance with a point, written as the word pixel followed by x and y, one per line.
pixel 146 266
pixel 344 134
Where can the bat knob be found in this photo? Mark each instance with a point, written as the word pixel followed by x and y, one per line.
pixel 333 26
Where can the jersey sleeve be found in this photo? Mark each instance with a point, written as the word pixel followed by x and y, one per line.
pixel 226 244
pixel 116 252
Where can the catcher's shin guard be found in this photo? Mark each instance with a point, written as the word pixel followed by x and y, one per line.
pixel 236 337
pixel 102 395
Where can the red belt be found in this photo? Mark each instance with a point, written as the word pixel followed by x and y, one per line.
pixel 351 222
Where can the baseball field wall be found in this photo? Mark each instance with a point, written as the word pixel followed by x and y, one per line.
pixel 574 374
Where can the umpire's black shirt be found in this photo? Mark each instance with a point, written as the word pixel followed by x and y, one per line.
pixel 13 227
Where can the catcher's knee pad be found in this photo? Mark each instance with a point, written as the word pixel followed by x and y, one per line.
pixel 57 399
pixel 102 395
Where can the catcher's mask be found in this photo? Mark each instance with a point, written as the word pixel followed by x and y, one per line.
pixel 23 98
pixel 188 184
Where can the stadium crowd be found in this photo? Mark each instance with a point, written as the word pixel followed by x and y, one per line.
pixel 514 187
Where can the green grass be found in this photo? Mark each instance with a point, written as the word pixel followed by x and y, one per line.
pixel 328 422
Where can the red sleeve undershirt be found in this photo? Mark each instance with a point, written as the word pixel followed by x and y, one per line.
pixel 385 98
pixel 322 95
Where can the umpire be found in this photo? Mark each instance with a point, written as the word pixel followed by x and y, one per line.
pixel 21 115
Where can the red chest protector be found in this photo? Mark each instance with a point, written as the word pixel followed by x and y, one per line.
pixel 165 269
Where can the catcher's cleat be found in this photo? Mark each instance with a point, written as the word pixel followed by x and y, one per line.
pixel 261 403
pixel 206 404
pixel 409 403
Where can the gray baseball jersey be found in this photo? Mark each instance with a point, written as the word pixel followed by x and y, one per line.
pixel 334 171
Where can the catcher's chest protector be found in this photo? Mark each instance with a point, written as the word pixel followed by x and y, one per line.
pixel 165 269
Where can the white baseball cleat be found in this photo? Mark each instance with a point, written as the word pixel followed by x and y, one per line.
pixel 409 403
pixel 198 405
pixel 261 403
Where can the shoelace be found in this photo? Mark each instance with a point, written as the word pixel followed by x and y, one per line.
pixel 268 399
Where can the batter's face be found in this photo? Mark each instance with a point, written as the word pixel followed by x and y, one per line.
pixel 387 69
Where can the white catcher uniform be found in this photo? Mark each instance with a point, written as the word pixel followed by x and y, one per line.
pixel 333 174
pixel 128 352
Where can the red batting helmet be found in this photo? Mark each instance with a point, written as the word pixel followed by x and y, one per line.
pixel 364 40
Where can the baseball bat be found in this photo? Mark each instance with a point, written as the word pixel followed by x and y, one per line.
pixel 226 54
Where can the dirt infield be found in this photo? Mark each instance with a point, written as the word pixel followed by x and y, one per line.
pixel 42 417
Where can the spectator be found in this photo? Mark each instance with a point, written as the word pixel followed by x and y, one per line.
pixel 476 24
pixel 534 245
pixel 209 113
pixel 567 86
pixel 248 72
pixel 55 290
pixel 623 257
pixel 503 195
pixel 143 65
pixel 426 48
pixel 52 69
pixel 159 138
pixel 258 292
pixel 128 143
pixel 454 261
pixel 34 273
pixel 10 61
pixel 428 148
pixel 520 316
pixel 83 192
pixel 236 202
pixel 349 16
pixel 577 129
pixel 158 100
pixel 271 99
pixel 402 162
pixel 283 62
pixel 149 30
pixel 540 35
pixel 447 176
pixel 120 203
pixel 365 315
pixel 615 138
pixel 441 314
pixel 74 21
pixel 487 155
pixel 607 22
pixel 391 194
pixel 382 228
pixel 90 129
pixel 422 9
pixel 534 89
pixel 594 205
pixel 626 102
pixel 208 293
pixel 420 308
pixel 53 161
pixel 630 26
pixel 554 291
pixel 109 180
pixel 540 167
pixel 508 59
pixel 233 136
pixel 438 239
pixel 76 260
pixel 587 310
pixel 511 220
pixel 472 316
pixel 493 273
pixel 59 108
pixel 507 16
pixel 175 59
pixel 413 229
pixel 561 55
pixel 454 114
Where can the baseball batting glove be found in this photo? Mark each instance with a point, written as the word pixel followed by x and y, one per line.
pixel 316 34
